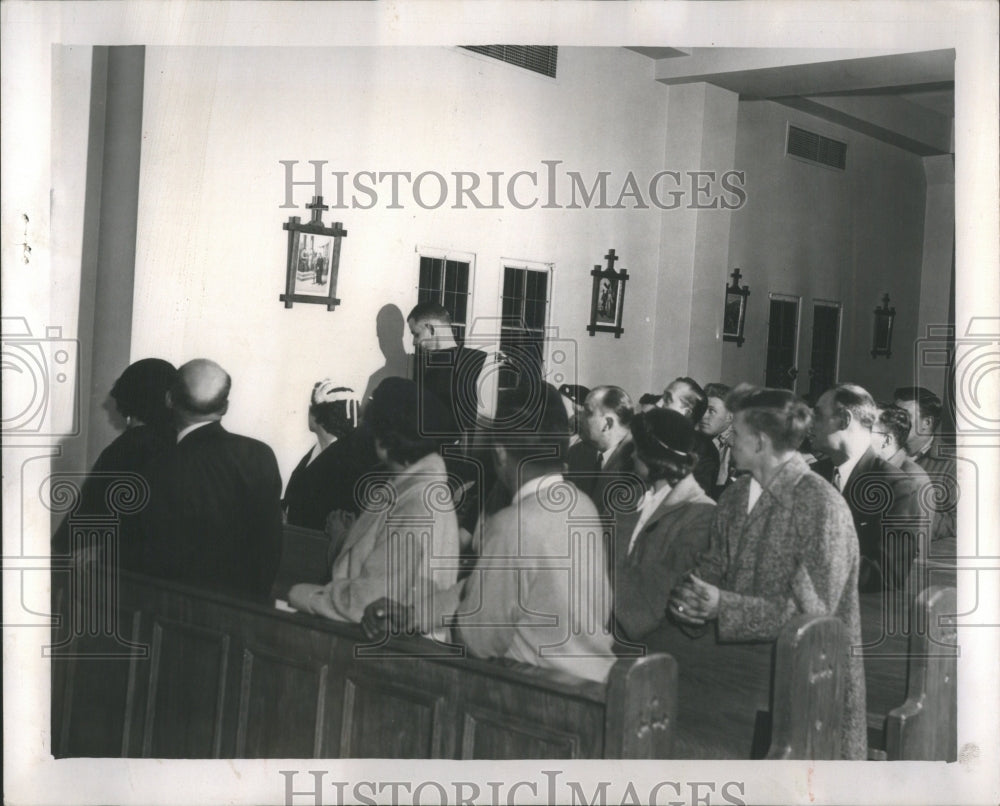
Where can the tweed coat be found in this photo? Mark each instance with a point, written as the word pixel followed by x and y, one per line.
pixel 795 552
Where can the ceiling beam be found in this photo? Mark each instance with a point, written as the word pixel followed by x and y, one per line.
pixel 886 117
pixel 769 73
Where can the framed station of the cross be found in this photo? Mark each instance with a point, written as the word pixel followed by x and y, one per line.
pixel 607 302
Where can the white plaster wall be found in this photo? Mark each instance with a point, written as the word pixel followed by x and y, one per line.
pixel 849 235
pixel 210 248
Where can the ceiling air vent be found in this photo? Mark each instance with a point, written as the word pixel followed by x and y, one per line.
pixel 537 58
pixel 816 148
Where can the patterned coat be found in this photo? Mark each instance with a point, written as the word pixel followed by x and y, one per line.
pixel 795 552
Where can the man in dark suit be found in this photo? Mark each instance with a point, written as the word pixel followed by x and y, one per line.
pixel 884 500
pixel 606 453
pixel 445 369
pixel 687 397
pixel 214 515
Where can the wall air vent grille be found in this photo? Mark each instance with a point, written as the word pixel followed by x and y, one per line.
pixel 537 58
pixel 816 148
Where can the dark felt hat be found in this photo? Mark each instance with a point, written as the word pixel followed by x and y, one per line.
pixel 663 432
pixel 575 392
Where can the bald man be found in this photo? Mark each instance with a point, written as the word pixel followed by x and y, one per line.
pixel 214 516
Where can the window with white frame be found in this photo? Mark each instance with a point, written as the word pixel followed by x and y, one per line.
pixel 524 310
pixel 446 278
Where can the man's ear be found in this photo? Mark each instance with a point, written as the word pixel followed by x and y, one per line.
pixel 763 442
pixel 609 423
pixel 844 418
pixel 429 327
pixel 225 408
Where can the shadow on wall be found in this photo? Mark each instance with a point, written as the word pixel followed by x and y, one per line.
pixel 390 328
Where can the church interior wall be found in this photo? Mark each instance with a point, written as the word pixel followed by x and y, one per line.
pixel 210 259
pixel 819 233
pixel 210 251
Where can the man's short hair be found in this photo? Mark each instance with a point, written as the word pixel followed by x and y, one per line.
pixel 429 311
pixel 694 399
pixel 849 397
pixel 650 399
pixel 779 413
pixel 182 399
pixel 717 390
pixel 614 399
pixel 928 403
pixel 895 421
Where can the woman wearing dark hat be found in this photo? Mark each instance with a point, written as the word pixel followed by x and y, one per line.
pixel 660 542
pixel 377 558
pixel 139 396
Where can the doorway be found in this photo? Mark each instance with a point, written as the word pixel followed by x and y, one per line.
pixel 782 342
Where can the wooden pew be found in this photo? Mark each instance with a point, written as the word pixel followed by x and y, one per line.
pixel 224 678
pixel 924 727
pixel 304 558
pixel 735 678
pixel 910 659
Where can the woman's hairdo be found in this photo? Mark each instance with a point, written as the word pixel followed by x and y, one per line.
pixel 664 440
pixel 334 408
pixel 779 413
pixel 141 391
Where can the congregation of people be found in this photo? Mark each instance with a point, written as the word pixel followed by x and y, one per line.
pixel 571 523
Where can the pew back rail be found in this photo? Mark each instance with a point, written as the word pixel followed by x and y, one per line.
pixel 207 676
pixel 222 678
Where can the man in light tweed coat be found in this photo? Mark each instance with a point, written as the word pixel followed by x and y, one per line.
pixel 783 543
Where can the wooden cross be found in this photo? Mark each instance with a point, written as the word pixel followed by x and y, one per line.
pixel 611 257
pixel 736 278
pixel 317 208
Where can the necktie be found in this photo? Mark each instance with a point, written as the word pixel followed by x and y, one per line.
pixel 723 476
pixel 600 462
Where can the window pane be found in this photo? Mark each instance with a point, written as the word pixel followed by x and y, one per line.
pixel 524 308
pixel 456 305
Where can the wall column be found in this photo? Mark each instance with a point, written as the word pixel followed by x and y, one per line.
pixel 937 268
pixel 694 239
pixel 108 265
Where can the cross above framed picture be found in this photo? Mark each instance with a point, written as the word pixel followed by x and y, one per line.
pixel 607 302
pixel 313 259
pixel 735 312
